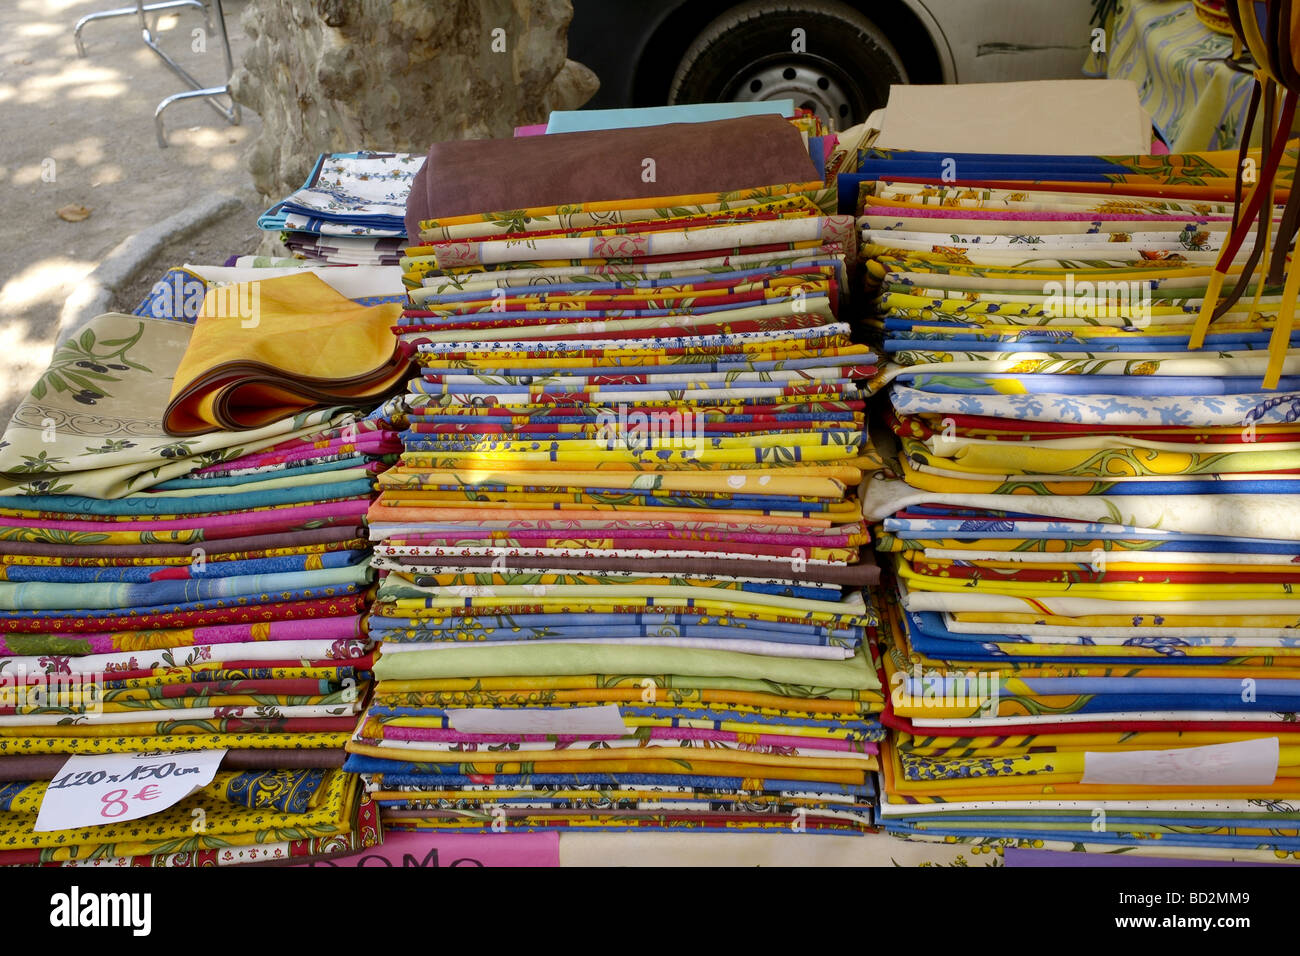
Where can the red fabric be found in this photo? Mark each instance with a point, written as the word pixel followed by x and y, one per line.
pixel 975 426
pixel 978 728
pixel 237 614
pixel 1087 576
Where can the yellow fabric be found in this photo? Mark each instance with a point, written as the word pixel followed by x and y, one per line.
pixel 273 347
pixel 374 727
pixel 1056 788
pixel 614 205
pixel 1281 338
pixel 172 829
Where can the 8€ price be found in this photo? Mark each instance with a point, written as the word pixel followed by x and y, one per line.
pixel 114 788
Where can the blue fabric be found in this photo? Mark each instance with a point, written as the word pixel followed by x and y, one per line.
pixel 605 632
pixel 1042 383
pixel 267 474
pixel 577 121
pixel 18 573
pixel 189 506
pixel 249 599
pixel 406 774
pixel 486 623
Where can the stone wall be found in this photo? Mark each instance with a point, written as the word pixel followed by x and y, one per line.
pixel 327 75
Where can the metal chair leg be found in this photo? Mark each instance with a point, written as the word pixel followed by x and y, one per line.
pixel 125 12
pixel 214 17
pixel 230 114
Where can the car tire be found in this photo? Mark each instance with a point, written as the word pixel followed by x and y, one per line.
pixel 843 72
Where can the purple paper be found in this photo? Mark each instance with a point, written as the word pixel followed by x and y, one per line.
pixel 1017 858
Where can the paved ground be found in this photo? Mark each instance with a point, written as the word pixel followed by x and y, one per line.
pixel 80 131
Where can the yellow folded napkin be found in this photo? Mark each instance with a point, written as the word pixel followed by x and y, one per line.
pixel 266 350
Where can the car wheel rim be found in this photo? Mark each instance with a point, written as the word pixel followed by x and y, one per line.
pixel 812 84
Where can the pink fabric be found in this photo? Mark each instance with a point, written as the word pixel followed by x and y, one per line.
pixel 631 538
pixel 1037 215
pixel 274 518
pixel 320 629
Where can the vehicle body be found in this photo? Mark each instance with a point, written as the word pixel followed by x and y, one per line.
pixel 639 48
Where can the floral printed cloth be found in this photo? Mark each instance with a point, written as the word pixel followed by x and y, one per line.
pixel 540 559
pixel 1089 523
pixel 1195 99
pixel 349 194
pixel 350 211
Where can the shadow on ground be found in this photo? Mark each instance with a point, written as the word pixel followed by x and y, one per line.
pixel 80 132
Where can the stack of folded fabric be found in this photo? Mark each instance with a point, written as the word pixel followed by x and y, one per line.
pixel 350 210
pixel 180 594
pixel 1092 525
pixel 622 585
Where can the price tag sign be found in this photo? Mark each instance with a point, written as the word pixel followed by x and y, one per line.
pixel 111 788
pixel 1249 763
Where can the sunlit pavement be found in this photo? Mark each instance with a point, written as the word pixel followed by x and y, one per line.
pixel 79 131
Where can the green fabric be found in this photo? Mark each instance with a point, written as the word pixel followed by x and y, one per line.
pixel 270 484
pixel 567 659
